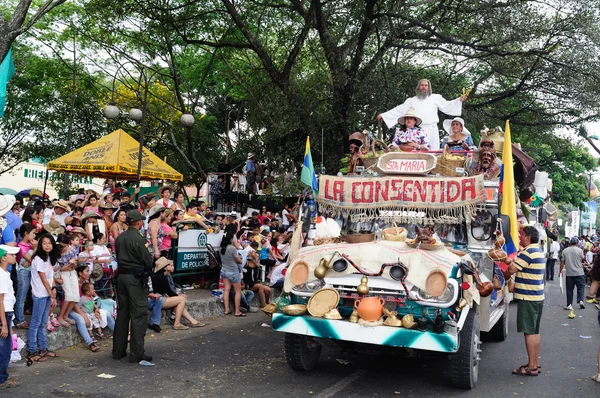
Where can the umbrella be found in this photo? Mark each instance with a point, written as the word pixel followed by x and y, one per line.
pixel 27 192
pixel 114 156
pixel 8 191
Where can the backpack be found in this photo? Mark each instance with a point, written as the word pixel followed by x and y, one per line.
pixel 214 257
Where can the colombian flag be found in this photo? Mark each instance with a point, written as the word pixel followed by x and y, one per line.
pixel 7 69
pixel 507 190
pixel 308 176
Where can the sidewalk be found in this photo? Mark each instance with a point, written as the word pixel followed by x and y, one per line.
pixel 200 304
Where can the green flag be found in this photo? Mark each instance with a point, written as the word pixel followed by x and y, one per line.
pixel 7 69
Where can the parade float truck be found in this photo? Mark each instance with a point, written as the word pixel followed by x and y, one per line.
pixel 412 271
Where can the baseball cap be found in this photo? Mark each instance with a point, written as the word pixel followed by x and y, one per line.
pixel 135 215
pixel 574 240
pixel 4 249
pixel 255 213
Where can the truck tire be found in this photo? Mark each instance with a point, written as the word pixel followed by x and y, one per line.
pixel 465 363
pixel 500 330
pixel 301 352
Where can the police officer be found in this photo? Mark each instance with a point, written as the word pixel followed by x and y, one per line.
pixel 135 265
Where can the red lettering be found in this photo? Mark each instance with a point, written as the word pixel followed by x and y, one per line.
pixel 433 185
pixel 468 185
pixel 355 198
pixel 369 185
pixel 396 188
pixel 338 190
pixel 420 189
pixel 442 191
pixel 407 190
pixel 382 191
pixel 327 195
pixel 453 191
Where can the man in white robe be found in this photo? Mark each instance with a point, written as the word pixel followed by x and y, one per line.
pixel 426 105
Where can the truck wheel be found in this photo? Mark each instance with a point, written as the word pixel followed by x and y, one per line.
pixel 301 352
pixel 500 330
pixel 465 363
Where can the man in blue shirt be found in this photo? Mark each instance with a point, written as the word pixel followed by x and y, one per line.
pixel 250 173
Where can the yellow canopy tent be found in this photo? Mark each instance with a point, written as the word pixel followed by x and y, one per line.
pixel 114 156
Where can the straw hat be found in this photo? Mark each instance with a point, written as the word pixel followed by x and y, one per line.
pixel 79 230
pixel 448 125
pixel 90 214
pixel 161 189
pixel 54 228
pixel 156 209
pixel 161 263
pixel 410 113
pixel 107 206
pixel 62 204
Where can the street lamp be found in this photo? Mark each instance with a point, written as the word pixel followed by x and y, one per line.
pixel 112 112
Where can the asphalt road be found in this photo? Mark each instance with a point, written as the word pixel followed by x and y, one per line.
pixel 234 357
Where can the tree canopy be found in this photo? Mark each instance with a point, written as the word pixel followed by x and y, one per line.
pixel 268 73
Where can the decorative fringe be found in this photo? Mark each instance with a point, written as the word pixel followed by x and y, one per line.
pixel 402 215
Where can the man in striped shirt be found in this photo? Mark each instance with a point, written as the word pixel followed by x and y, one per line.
pixel 529 267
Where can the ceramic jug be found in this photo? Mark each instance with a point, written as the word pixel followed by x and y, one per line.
pixel 370 308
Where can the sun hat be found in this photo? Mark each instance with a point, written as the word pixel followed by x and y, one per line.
pixel 62 204
pixel 161 189
pixel 90 214
pixel 161 263
pixel 4 250
pixel 410 113
pixel 155 210
pixel 251 155
pixel 54 228
pixel 107 206
pixel 448 125
pixel 6 203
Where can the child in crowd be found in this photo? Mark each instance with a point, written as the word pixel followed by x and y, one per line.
pixel 44 298
pixel 26 246
pixel 87 256
pixel 90 309
pixel 7 302
pixel 67 262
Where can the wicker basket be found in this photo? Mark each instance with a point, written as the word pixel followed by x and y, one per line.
pixel 446 166
pixel 325 241
pixel 372 161
pixel 395 233
pixel 358 238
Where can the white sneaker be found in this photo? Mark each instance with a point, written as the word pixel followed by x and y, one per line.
pixel 581 305
pixel 596 378
pixel 569 307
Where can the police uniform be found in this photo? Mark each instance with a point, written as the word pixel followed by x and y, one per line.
pixel 135 265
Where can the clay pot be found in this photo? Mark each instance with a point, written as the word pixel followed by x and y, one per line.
pixel 370 308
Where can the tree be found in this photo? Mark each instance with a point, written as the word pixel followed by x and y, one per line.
pixel 21 20
pixel 39 104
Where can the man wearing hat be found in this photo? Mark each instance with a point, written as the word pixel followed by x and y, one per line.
pixel 6 230
pixel 135 265
pixel 250 173
pixel 61 212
